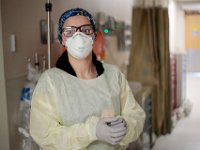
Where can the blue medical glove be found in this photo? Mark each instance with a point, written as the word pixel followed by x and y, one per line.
pixel 110 130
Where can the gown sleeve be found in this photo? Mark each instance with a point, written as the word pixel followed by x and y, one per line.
pixel 131 112
pixel 45 124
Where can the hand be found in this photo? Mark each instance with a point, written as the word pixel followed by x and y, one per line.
pixel 118 121
pixel 119 125
pixel 111 130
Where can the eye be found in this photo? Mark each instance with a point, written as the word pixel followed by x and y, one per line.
pixel 87 30
pixel 67 32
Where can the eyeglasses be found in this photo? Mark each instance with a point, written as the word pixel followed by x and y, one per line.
pixel 70 30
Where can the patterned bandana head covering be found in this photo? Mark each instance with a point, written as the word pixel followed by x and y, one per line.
pixel 74 12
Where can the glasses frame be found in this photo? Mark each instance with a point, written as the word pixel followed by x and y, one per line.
pixel 77 28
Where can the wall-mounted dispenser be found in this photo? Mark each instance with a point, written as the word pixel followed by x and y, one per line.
pixel 12 43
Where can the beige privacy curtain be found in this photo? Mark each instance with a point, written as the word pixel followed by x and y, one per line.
pixel 150 61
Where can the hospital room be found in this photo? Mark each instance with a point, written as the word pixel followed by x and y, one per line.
pixel 99 74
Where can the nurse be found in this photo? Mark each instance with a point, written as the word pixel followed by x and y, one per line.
pixel 82 103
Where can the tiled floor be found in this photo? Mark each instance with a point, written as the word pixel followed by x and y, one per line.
pixel 186 134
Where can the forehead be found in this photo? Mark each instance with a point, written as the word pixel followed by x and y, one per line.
pixel 76 21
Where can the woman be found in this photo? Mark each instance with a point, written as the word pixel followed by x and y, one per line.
pixel 82 103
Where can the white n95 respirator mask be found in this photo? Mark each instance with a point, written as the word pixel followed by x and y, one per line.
pixel 79 45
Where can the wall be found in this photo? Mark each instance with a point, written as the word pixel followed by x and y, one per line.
pixel 176 28
pixel 193 60
pixel 22 18
pixel 187 0
pixel 23 21
pixel 193 42
pixel 192 54
pixel 119 9
pixel 4 135
pixel 192 29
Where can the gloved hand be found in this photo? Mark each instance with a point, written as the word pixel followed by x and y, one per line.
pixel 111 130
pixel 118 121
pixel 120 124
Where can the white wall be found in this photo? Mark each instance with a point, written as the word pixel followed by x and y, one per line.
pixel 187 0
pixel 4 135
pixel 177 28
pixel 120 9
pixel 193 60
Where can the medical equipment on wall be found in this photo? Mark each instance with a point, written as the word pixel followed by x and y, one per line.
pixel 109 26
pixel 33 73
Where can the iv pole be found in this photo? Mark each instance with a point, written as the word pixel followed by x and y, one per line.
pixel 48 7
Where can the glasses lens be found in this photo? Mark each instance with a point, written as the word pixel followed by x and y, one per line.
pixel 87 29
pixel 68 31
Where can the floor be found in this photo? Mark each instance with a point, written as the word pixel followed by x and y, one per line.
pixel 186 134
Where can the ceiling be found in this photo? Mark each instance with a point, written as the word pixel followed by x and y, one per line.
pixel 190 5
